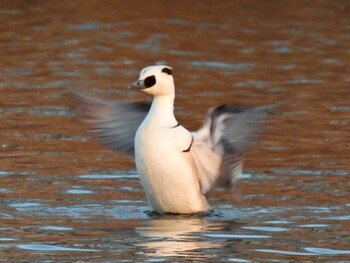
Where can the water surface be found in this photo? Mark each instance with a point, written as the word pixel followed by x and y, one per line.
pixel 67 199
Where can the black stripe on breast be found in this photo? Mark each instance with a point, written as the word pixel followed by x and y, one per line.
pixel 189 148
pixel 177 125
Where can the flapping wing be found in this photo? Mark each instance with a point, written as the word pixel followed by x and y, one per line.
pixel 219 144
pixel 113 123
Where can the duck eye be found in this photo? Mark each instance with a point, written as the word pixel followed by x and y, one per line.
pixel 149 81
pixel 167 71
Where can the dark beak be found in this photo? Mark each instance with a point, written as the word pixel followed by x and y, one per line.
pixel 139 84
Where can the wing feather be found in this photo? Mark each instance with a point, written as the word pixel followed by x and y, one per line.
pixel 219 144
pixel 113 123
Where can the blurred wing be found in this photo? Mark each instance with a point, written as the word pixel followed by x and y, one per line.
pixel 219 144
pixel 113 123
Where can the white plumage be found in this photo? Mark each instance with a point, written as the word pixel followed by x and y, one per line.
pixel 176 167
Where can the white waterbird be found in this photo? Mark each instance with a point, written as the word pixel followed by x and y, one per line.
pixel 176 167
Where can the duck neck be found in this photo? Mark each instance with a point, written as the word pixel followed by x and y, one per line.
pixel 162 111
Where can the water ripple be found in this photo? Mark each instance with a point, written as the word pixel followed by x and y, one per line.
pixel 327 251
pixel 266 228
pixel 43 247
pixel 285 252
pixel 236 236
pixel 224 65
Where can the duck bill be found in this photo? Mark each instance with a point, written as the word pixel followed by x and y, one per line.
pixel 139 84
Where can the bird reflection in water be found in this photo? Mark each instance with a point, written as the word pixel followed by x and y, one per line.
pixel 174 236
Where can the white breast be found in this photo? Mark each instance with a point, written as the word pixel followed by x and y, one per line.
pixel 168 174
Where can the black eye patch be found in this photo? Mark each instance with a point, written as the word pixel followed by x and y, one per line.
pixel 149 81
pixel 167 71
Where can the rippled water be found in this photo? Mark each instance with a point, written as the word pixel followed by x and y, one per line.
pixel 65 198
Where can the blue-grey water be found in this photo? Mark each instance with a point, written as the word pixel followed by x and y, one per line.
pixel 64 198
